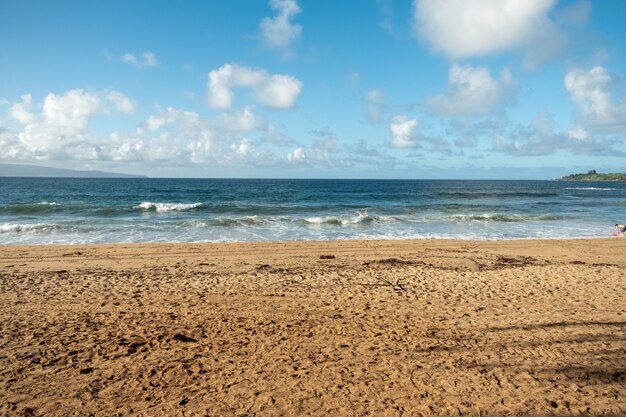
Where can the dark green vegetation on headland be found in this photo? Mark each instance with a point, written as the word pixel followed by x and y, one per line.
pixel 593 176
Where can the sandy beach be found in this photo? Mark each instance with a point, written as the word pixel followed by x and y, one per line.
pixel 344 328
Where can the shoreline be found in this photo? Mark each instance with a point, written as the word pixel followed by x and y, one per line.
pixel 394 327
pixel 399 247
pixel 329 241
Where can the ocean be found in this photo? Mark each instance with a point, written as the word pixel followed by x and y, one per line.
pixel 82 210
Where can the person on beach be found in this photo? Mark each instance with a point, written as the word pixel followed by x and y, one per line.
pixel 620 228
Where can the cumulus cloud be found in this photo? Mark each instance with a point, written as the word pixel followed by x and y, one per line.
pixel 402 131
pixel 146 59
pixel 130 59
pixel 375 106
pixel 297 156
pixel 11 147
pixel 540 137
pixel 194 139
pixel 119 148
pixel 243 148
pixel 590 92
pixel 325 149
pixel 71 111
pixel 272 90
pixel 60 129
pixel 241 121
pixel 468 133
pixel 121 102
pixel 279 32
pixel 185 120
pixel 178 137
pixel 472 91
pixel 578 133
pixel 22 111
pixel 464 28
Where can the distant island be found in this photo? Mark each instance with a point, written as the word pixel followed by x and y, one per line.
pixel 15 170
pixel 594 176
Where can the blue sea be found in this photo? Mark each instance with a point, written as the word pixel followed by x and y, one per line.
pixel 70 210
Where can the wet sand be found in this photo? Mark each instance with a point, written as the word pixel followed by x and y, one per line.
pixel 355 328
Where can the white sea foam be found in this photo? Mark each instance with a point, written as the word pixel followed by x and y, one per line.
pixel 323 220
pixel 25 228
pixel 226 222
pixel 361 217
pixel 147 205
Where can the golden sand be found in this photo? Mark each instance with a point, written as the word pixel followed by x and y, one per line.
pixel 355 328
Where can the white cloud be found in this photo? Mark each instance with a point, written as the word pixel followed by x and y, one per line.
pixel 578 133
pixel 402 132
pixel 184 120
pixel 241 121
pixel 21 111
pixel 540 137
pixel 121 102
pixel 463 28
pixel 297 155
pixel 375 106
pixel 243 148
pixel 201 148
pixel 272 90
pixel 70 113
pixel 120 149
pixel 59 131
pixel 325 149
pixel 590 91
pixel 181 137
pixel 130 59
pixel 279 32
pixel 194 139
pixel 148 59
pixel 472 91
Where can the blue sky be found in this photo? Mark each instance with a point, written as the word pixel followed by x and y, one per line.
pixel 315 88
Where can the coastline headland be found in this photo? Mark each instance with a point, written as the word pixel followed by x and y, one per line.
pixel 594 176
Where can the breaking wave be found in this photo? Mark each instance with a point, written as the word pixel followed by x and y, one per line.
pixel 29 228
pixel 225 222
pixel 165 207
pixel 361 218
